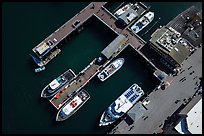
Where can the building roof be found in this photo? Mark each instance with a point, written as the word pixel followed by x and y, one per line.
pixel 42 48
pixel 113 46
pixel 169 42
pixel 194 119
pixel 193 122
pixel 189 24
pixel 136 112
pixel 179 53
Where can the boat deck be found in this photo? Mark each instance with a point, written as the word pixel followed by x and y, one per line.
pixel 69 75
pixel 83 97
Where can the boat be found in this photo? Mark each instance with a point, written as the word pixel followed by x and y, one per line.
pixel 72 105
pixel 123 9
pixel 111 69
pixel 142 22
pixel 37 61
pixel 53 87
pixel 121 105
pixel 39 69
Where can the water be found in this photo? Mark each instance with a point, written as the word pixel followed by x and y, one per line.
pixel 27 24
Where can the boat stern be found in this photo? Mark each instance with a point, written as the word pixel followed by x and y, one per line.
pixel 101 76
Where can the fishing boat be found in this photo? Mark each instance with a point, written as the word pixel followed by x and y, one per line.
pixel 122 105
pixel 72 105
pixel 142 22
pixel 53 87
pixel 123 9
pixel 111 69
pixel 39 69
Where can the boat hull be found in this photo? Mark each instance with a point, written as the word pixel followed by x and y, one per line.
pixel 67 78
pixel 61 115
pixel 105 74
pixel 122 10
pixel 141 24
pixel 121 105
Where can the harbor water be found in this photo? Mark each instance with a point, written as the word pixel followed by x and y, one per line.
pixel 24 25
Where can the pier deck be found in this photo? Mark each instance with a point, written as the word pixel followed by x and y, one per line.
pixel 67 28
pixel 93 9
pixel 109 20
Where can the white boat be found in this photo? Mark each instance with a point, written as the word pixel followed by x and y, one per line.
pixel 53 87
pixel 120 106
pixel 73 105
pixel 142 22
pixel 39 69
pixel 111 69
pixel 123 9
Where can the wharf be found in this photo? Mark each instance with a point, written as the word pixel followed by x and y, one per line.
pixel 165 98
pixel 93 9
pixel 51 56
pixel 69 89
pixel 41 49
pixel 49 45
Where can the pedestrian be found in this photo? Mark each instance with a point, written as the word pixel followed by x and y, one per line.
pixel 160 125
pixel 131 128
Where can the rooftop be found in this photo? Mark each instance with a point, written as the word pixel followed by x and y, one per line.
pixel 136 112
pixel 189 24
pixel 113 46
pixel 169 42
pixel 193 120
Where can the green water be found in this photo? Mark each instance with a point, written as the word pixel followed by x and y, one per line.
pixel 24 25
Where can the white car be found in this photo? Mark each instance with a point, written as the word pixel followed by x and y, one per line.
pixel 146 102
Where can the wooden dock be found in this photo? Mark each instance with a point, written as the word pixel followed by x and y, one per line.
pixel 68 28
pixel 81 80
pixel 93 9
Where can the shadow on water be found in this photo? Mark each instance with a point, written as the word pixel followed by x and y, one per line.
pixel 137 70
pixel 98 29
pixel 119 24
pixel 30 63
